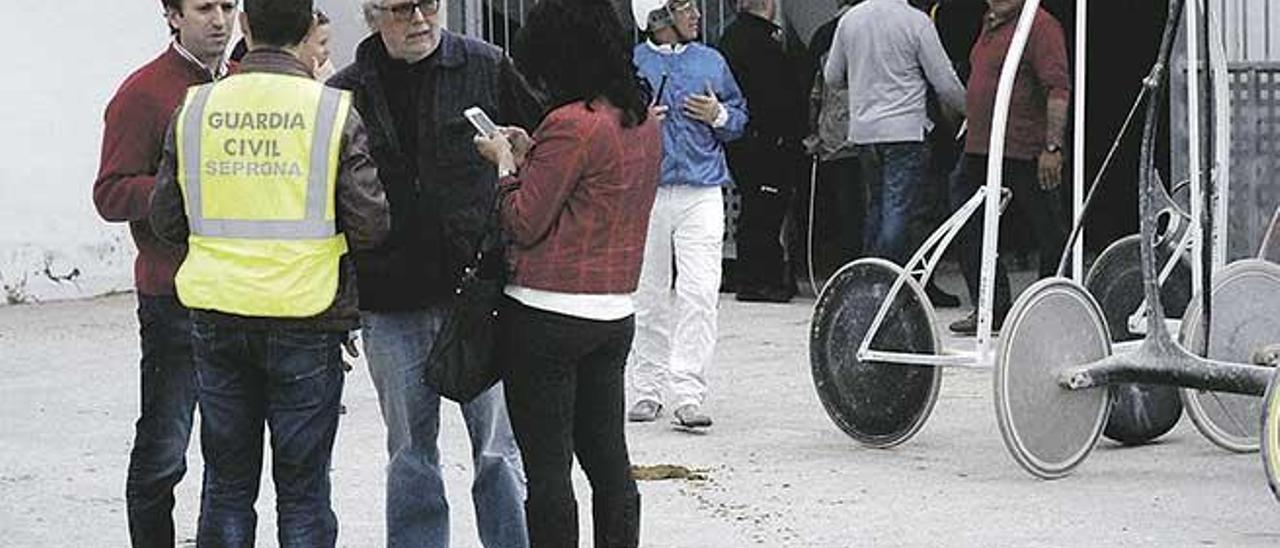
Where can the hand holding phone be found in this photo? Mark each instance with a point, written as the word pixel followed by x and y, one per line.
pixel 481 121
pixel 521 143
pixel 491 142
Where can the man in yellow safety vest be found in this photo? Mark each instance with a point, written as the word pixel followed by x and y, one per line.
pixel 266 176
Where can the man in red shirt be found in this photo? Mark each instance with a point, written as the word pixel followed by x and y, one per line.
pixel 135 124
pixel 1033 142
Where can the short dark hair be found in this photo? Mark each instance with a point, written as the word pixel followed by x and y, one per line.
pixel 578 50
pixel 279 22
pixel 175 5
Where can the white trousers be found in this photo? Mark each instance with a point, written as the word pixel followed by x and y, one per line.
pixel 676 323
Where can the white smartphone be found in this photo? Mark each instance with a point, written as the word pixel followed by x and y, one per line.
pixel 481 121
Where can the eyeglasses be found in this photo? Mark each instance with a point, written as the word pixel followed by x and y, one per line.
pixel 403 12
pixel 684 7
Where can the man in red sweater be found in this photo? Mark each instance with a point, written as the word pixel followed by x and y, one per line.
pixel 135 123
pixel 1032 147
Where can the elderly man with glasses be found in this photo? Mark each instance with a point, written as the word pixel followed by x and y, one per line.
pixel 412 79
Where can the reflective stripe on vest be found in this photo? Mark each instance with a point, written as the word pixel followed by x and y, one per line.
pixel 257 164
pixel 314 226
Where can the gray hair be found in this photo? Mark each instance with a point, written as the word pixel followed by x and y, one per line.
pixel 368 8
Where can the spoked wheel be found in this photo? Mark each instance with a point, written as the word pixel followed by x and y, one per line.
pixel 879 404
pixel 1049 429
pixel 1246 297
pixel 1139 412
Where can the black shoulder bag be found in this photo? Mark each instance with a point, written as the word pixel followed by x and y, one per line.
pixel 464 359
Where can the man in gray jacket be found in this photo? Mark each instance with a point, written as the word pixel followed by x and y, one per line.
pixel 888 54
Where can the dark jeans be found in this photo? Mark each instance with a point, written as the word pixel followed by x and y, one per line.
pixel 291 380
pixel 158 459
pixel 1043 208
pixel 765 174
pixel 564 387
pixel 892 173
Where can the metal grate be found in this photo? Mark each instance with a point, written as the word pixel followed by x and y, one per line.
pixel 1252 29
pixel 1255 152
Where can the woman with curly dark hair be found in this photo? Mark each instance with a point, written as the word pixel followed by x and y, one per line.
pixel 575 202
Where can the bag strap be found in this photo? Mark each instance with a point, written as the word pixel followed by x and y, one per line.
pixel 490 230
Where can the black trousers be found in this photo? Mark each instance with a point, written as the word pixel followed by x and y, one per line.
pixel 564 390
pixel 765 173
pixel 845 176
pixel 1044 212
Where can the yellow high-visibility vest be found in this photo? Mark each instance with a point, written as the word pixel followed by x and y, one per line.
pixel 258 166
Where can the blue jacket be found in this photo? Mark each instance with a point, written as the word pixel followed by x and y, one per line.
pixel 692 151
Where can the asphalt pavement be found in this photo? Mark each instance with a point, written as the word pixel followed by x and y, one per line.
pixel 772 471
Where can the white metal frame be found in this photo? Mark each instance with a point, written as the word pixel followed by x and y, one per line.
pixel 1192 36
pixel 983 356
pixel 1078 150
pixel 921 265
pixel 920 268
pixel 1220 172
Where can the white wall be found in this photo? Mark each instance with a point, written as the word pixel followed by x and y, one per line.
pixel 348 28
pixel 62 63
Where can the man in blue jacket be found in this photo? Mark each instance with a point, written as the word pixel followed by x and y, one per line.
pixel 676 323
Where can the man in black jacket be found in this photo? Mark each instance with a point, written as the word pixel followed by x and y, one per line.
pixel 766 162
pixel 412 79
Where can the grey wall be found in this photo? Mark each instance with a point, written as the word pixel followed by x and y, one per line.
pixel 63 61
pixel 347 30
pixel 1255 158
pixel 807 15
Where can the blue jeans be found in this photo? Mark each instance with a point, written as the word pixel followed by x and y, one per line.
pixel 159 456
pixel 396 346
pixel 291 380
pixel 892 173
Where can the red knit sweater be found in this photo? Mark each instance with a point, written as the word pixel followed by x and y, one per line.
pixel 136 120
pixel 1042 74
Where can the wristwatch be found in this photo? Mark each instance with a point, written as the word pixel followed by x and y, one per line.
pixel 1053 148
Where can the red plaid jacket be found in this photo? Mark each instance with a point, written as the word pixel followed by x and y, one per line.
pixel 578 211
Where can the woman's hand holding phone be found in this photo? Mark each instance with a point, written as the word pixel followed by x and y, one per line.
pixel 521 143
pixel 497 150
